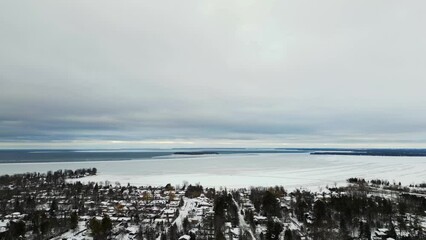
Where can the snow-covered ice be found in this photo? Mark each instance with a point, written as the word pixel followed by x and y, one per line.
pixel 291 170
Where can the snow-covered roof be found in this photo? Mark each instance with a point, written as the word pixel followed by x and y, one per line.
pixel 3 225
pixel 185 237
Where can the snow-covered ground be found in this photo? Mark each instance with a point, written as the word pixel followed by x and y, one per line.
pixel 79 233
pixel 243 225
pixel 189 205
pixel 243 170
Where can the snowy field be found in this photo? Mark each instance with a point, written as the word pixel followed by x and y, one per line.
pixel 244 170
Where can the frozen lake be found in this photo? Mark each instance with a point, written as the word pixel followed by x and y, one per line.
pixel 242 170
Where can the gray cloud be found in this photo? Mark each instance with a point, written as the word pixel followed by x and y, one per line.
pixel 201 73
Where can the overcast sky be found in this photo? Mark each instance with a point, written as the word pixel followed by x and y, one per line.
pixel 89 74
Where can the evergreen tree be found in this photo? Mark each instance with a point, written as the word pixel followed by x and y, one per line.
pixel 270 204
pixel 288 235
pixel 274 228
pixel 74 220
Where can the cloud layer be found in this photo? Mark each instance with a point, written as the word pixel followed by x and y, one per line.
pixel 231 73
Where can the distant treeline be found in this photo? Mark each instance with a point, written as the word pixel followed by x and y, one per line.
pixel 375 152
pixel 49 176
